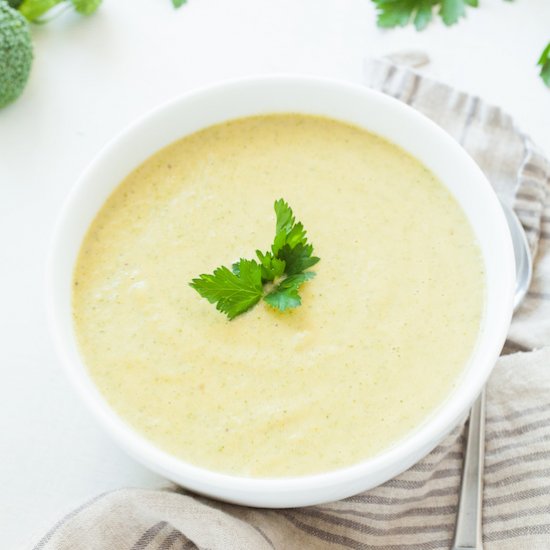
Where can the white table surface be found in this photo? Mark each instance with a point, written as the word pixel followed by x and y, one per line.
pixel 92 77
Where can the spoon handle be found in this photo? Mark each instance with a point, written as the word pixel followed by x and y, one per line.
pixel 468 535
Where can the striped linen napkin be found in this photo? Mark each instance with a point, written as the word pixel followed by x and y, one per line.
pixel 416 510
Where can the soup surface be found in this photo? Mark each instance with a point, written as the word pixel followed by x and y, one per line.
pixel 383 332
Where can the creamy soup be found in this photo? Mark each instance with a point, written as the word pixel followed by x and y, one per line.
pixel 383 332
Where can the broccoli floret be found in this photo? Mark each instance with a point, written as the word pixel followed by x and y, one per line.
pixel 15 53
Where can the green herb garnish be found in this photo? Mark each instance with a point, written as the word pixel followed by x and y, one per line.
pixel 544 63
pixel 398 13
pixel 276 276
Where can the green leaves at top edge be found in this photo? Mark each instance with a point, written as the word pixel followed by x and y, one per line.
pixel 40 11
pixel 399 13
pixel 544 63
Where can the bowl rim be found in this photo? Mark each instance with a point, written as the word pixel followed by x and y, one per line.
pixel 288 491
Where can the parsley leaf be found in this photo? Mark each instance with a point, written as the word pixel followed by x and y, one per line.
pixel 290 244
pixel 178 3
pixel 233 294
pixel 544 63
pixel 452 10
pixel 272 267
pixel 236 290
pixel 398 13
pixel 285 294
pixel 297 259
pixel 285 217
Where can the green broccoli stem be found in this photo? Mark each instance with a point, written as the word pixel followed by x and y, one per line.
pixel 34 9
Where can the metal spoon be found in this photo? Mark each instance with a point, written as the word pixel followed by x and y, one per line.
pixel 468 529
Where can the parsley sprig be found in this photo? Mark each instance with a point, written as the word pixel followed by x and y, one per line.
pixel 393 13
pixel 544 63
pixel 276 276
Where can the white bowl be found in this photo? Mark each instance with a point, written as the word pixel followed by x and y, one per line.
pixel 351 103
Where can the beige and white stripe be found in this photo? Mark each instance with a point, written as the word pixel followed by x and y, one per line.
pixel 415 510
